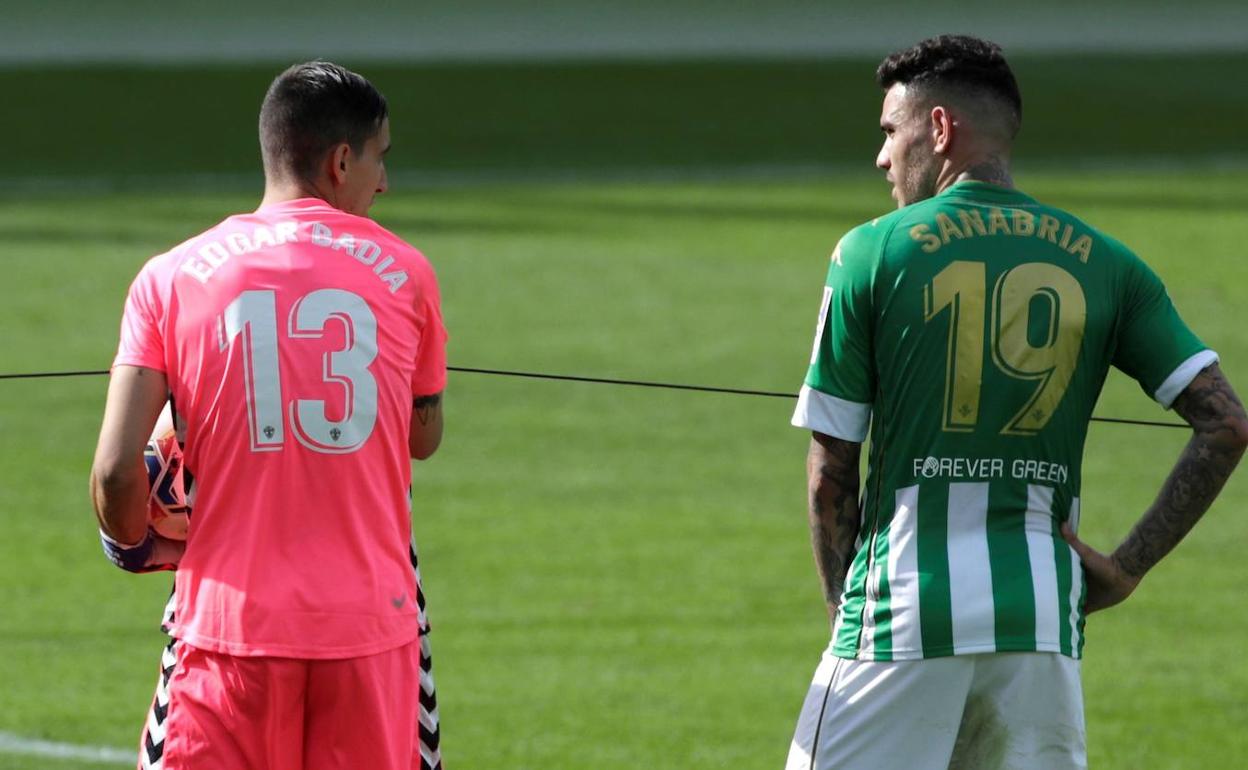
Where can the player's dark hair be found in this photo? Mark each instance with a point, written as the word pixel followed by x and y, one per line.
pixel 958 63
pixel 310 109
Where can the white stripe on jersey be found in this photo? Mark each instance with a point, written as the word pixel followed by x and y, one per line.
pixel 903 572
pixel 1076 582
pixel 1039 529
pixel 970 574
pixel 866 647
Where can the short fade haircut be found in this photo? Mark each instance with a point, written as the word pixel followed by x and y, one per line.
pixel 311 108
pixel 955 63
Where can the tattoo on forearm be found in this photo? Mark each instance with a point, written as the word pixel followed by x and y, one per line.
pixel 424 407
pixel 832 470
pixel 1216 416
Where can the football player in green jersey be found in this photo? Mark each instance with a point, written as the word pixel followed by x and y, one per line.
pixel 971 331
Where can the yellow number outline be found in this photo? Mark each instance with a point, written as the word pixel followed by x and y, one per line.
pixel 1053 362
pixel 964 359
pixel 961 287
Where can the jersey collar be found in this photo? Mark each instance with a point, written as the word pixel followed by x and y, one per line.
pixel 976 190
pixel 297 204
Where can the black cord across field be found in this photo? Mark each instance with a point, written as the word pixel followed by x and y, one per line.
pixel 595 380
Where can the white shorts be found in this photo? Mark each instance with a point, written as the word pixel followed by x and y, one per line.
pixel 996 711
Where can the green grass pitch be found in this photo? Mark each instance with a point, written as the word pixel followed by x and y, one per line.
pixel 618 577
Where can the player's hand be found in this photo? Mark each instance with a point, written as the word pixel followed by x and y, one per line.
pixel 1107 583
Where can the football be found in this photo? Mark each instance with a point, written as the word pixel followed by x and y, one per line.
pixel 168 503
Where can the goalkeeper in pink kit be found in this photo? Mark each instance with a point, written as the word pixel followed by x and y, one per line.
pixel 303 346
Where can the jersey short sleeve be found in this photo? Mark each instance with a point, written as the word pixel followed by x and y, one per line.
pixel 429 376
pixel 1155 347
pixel 840 383
pixel 142 339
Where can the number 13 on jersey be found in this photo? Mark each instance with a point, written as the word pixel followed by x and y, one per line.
pixel 252 317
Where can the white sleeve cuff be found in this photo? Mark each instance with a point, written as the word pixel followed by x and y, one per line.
pixel 832 416
pixel 1181 377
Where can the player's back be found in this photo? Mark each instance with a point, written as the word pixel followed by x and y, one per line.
pixel 294 340
pixel 992 321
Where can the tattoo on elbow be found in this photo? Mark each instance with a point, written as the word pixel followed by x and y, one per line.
pixel 1209 404
pixel 424 406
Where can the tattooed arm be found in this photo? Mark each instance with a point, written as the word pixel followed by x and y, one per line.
pixel 832 482
pixel 1220 434
pixel 426 429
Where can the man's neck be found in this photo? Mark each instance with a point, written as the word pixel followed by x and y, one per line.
pixel 992 169
pixel 284 191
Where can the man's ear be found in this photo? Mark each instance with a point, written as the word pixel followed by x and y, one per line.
pixel 339 161
pixel 942 127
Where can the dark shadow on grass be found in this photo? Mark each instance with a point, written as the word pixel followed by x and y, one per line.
pixel 155 242
pixel 1151 201
pixel 45 236
pixel 417 226
pixel 803 214
pixel 667 207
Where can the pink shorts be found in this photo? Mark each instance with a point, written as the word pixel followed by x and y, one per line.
pixel 237 713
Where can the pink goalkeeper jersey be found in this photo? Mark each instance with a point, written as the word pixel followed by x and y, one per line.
pixel 294 340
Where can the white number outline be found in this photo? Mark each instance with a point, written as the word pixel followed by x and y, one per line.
pixel 347 367
pixel 246 317
pixel 252 316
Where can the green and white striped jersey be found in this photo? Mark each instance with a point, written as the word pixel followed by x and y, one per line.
pixel 973 332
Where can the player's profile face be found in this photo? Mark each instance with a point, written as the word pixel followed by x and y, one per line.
pixel 906 157
pixel 366 173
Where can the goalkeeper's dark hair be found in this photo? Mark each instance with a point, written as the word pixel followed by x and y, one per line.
pixel 311 108
pixel 955 63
